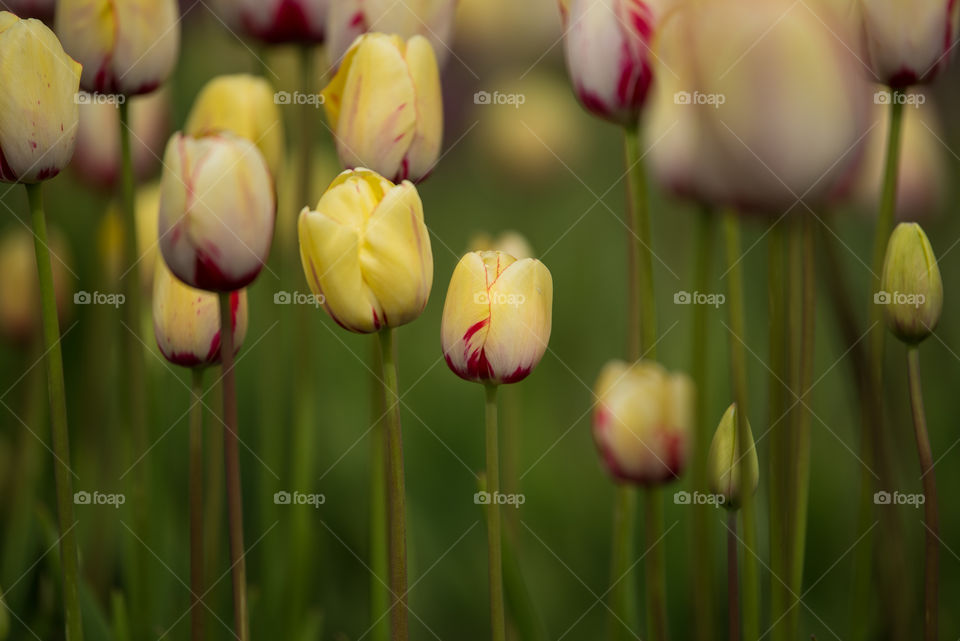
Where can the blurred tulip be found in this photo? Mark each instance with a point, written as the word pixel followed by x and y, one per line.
pixel 385 108
pixel 277 21
pixel 494 30
pixel 97 158
pixel 38 108
pixel 217 211
pixel 126 46
pixel 366 252
pixel 20 285
pixel 607 47
pixel 496 317
pixel 911 287
pixel 908 41
pixel 242 104
pixel 724 464
pixel 643 421
pixel 432 19
pixel 509 242
pixel 39 9
pixel 186 321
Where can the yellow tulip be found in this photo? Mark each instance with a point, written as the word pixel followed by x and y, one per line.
pixel 20 286
pixel 366 252
pixel 385 108
pixel 724 463
pixel 277 21
pixel 497 317
pixel 217 210
pixel 643 421
pixel 244 105
pixel 911 285
pixel 509 242
pixel 186 321
pixel 38 109
pixel 126 46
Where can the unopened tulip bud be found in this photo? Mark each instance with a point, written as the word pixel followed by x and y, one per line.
pixel 908 41
pixel 724 463
pixel 38 108
pixel 643 421
pixel 608 52
pixel 217 210
pixel 20 286
pixel 242 104
pixel 126 46
pixel 911 290
pixel 186 321
pixel 277 21
pixel 366 252
pixel 497 317
pixel 508 242
pixel 385 108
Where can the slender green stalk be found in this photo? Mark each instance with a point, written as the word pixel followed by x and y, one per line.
pixel 738 374
pixel 931 514
pixel 396 494
pixel 379 595
pixel 623 597
pixel 656 573
pixel 197 613
pixel 733 584
pixel 494 541
pixel 58 419
pixel 231 459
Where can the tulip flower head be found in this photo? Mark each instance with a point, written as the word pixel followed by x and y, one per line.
pixel 126 46
pixel 607 48
pixel 366 252
pixel 385 108
pixel 217 210
pixel 186 321
pixel 911 289
pixel 497 317
pixel 38 108
pixel 724 464
pixel 643 421
pixel 277 21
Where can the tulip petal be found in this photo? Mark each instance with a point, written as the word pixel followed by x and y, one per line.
pixel 466 319
pixel 425 147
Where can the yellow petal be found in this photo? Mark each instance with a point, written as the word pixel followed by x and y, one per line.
pixel 88 30
pixel 425 147
pixel 466 317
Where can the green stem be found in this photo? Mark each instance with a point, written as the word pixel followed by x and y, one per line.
pixel 58 419
pixel 656 573
pixel 623 619
pixel 733 585
pixel 738 372
pixel 396 494
pixel 379 595
pixel 495 557
pixel 197 613
pixel 930 512
pixel 231 456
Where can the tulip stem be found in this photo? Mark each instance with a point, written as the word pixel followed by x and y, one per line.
pixel 231 459
pixel 738 371
pixel 733 585
pixel 58 418
pixel 197 613
pixel 396 498
pixel 495 557
pixel 930 512
pixel 623 615
pixel 643 309
pixel 379 594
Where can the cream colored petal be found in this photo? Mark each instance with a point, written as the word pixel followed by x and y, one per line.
pixel 88 29
pixel 147 45
pixel 466 318
pixel 425 147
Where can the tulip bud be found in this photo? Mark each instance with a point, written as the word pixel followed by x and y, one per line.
pixel 126 46
pixel 366 252
pixel 217 210
pixel 385 108
pixel 277 21
pixel 497 317
pixel 38 108
pixel 607 47
pixel 186 321
pixel 509 242
pixel 642 422
pixel 724 463
pixel 242 104
pixel 908 41
pixel 910 289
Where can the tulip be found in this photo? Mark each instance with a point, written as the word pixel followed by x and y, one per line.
pixel 40 9
pixel 643 421
pixel 126 46
pixel 217 210
pixel 366 252
pixel 509 242
pixel 242 104
pixel 911 287
pixel 38 112
pixel 908 41
pixel 432 19
pixel 723 462
pixel 607 48
pixel 385 108
pixel 497 317
pixel 277 21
